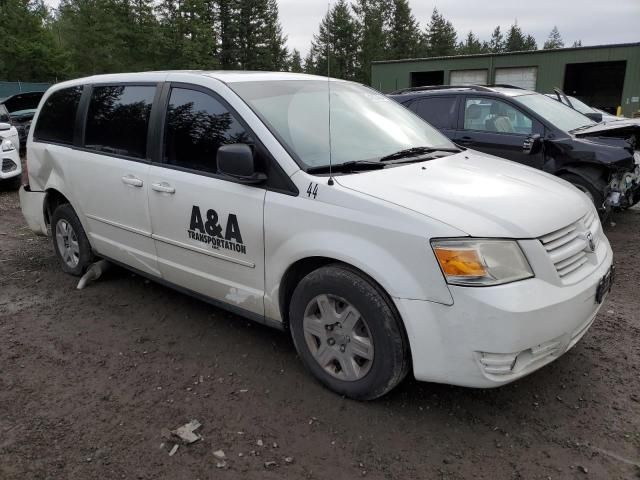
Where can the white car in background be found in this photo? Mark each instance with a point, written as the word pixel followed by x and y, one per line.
pixel 10 166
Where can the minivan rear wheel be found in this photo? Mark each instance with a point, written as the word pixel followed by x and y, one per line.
pixel 347 333
pixel 70 241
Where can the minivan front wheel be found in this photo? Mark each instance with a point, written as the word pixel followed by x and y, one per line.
pixel 70 242
pixel 347 333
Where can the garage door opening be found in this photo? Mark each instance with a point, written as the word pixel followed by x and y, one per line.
pixel 598 84
pixel 523 77
pixel 468 77
pixel 420 79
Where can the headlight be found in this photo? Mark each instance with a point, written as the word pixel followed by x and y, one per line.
pixel 7 146
pixel 475 262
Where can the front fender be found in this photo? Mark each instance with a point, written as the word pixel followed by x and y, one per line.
pixel 388 243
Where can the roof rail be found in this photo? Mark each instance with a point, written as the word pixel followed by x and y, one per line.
pixel 506 85
pixel 477 88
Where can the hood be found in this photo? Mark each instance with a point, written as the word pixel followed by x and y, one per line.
pixel 622 128
pixel 479 194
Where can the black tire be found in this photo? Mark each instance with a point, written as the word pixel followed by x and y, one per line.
pixel 65 213
pixel 595 191
pixel 391 358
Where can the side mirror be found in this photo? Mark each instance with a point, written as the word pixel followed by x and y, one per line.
pixel 595 116
pixel 532 144
pixel 5 127
pixel 236 161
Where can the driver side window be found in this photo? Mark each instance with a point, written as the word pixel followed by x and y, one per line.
pixel 492 115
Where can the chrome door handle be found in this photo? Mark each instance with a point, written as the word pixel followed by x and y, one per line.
pixel 131 180
pixel 163 187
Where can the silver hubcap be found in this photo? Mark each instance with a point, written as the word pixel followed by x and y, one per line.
pixel 338 337
pixel 67 243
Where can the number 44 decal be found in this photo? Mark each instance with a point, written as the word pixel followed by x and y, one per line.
pixel 312 190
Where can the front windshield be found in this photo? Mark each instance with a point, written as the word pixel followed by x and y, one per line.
pixel 365 125
pixel 581 106
pixel 556 113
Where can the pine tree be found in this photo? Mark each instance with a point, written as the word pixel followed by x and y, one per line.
pixel 530 43
pixel 554 40
pixel 496 43
pixel 471 45
pixel 515 41
pixel 336 36
pixel 577 43
pixel 404 32
pixel 295 62
pixel 370 22
pixel 440 36
pixel 28 50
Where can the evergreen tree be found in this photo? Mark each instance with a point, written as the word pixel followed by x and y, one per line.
pixel 530 43
pixel 404 32
pixel 336 37
pixel 295 62
pixel 471 45
pixel 554 40
pixel 370 22
pixel 28 49
pixel 515 41
pixel 577 43
pixel 440 37
pixel 496 43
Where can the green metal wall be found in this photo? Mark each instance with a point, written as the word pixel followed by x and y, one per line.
pixel 11 88
pixel 392 75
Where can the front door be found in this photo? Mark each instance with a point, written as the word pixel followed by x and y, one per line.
pixel 494 126
pixel 208 229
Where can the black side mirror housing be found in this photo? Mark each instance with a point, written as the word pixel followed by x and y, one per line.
pixel 532 144
pixel 595 116
pixel 237 161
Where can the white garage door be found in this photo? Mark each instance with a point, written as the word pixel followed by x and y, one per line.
pixel 468 77
pixel 523 77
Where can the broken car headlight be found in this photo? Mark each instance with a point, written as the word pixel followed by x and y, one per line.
pixel 481 262
pixel 8 146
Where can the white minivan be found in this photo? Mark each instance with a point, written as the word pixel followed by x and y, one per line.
pixel 325 209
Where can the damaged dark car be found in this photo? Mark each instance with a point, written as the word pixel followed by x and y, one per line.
pixel 21 108
pixel 601 159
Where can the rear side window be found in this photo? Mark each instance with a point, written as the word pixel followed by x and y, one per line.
pixel 58 116
pixel 118 119
pixel 197 125
pixel 438 111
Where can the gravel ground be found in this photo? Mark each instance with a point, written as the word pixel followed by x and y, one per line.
pixel 89 379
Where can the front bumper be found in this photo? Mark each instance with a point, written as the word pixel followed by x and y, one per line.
pixel 10 165
pixel 494 335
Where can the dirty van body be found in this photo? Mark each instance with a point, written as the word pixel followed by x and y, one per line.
pixel 377 243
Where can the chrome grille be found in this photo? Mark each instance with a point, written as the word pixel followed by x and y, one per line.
pixel 569 247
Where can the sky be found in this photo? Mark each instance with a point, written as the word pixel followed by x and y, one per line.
pixel 595 22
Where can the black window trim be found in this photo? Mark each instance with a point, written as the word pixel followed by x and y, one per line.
pixel 83 88
pixel 159 131
pixel 83 109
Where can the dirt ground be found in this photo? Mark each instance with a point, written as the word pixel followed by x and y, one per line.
pixel 90 378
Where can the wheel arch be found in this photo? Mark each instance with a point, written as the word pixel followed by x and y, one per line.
pixel 52 200
pixel 304 266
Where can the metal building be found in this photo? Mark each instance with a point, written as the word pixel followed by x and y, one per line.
pixel 605 76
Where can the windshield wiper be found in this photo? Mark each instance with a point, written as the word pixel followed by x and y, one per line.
pixel 416 151
pixel 584 127
pixel 352 166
